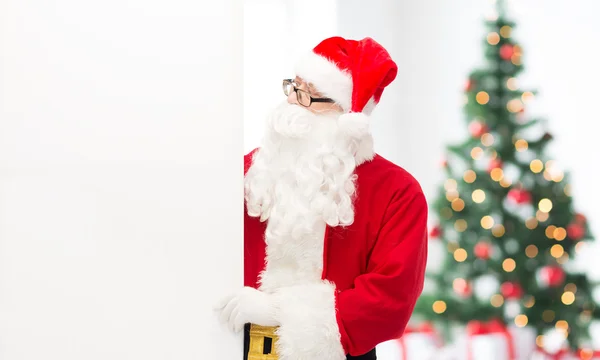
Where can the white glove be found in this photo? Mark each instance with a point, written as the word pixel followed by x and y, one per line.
pixel 248 305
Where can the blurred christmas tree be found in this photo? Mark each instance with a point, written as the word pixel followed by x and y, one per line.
pixel 505 212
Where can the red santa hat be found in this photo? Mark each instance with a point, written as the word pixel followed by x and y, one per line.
pixel 354 73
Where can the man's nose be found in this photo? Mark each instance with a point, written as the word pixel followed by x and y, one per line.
pixel 292 99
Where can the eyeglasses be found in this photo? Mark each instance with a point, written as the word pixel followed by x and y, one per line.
pixel 304 98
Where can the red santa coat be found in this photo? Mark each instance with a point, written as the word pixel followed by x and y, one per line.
pixel 377 264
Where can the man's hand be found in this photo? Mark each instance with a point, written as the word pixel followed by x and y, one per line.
pixel 248 306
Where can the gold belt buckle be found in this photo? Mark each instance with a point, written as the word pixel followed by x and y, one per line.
pixel 262 343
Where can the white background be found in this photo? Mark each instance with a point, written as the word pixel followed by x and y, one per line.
pixel 120 178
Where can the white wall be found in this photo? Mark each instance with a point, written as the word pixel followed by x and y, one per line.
pixel 120 178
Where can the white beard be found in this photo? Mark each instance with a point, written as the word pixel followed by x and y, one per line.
pixel 301 180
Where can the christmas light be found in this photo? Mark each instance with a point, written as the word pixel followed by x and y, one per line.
pixel 439 307
pixel 458 205
pixel 558 177
pixel 521 145
pixel 579 247
pixel 482 97
pixel 497 300
pixel 562 325
pixel 450 185
pixel 563 259
pixel 531 223
pixel 545 205
pixel 571 287
pixel 539 340
pixel 469 176
pixel 497 174
pixel 557 251
pixel 514 105
pixel 553 172
pixel 487 139
pixel 477 153
pixel 452 195
pixel 521 320
pixel 529 302
pixel 536 166
pixel 531 251
pixel 452 246
pixel 567 190
pixel 527 96
pixel 505 183
pixel 505 31
pixel 560 234
pixel 498 230
pixel 493 38
pixel 542 216
pixel 518 50
pixel 460 255
pixel 516 59
pixel 509 265
pixel 460 225
pixel 487 222
pixel 567 298
pixel 550 231
pixel 478 196
pixel 512 84
pixel 548 316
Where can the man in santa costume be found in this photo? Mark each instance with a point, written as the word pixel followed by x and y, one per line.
pixel 335 235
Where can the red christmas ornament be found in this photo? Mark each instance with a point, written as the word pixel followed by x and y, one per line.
pixel 519 196
pixel 507 51
pixel 495 163
pixel 575 231
pixel 552 276
pixel 435 232
pixel 477 128
pixel 511 290
pixel 482 250
pixel 470 84
pixel 462 287
pixel 580 219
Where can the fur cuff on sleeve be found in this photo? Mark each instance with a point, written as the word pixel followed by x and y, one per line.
pixel 309 328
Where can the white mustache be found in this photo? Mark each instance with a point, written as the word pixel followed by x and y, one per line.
pixel 291 121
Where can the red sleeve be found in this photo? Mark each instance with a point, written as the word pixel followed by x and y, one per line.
pixel 382 300
pixel 254 245
pixel 248 160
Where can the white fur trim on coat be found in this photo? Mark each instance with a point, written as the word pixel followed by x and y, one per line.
pixel 356 127
pixel 308 329
pixel 327 78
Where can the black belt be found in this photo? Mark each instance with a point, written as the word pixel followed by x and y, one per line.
pixel 263 339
